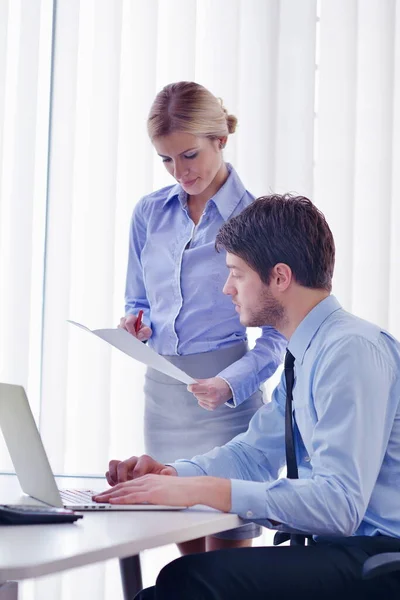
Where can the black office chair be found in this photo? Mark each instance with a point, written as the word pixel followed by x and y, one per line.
pixel 381 564
pixel 295 540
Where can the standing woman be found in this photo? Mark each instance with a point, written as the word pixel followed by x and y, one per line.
pixel 176 277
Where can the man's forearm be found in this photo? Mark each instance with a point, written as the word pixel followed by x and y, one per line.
pixel 212 491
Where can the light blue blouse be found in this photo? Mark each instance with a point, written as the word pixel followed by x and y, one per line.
pixel 176 276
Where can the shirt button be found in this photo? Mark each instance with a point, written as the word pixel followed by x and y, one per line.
pixel 249 514
pixel 307 459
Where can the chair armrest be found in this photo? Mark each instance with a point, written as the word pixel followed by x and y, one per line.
pixel 381 564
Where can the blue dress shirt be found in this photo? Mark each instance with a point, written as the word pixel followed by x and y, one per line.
pixel 347 434
pixel 176 276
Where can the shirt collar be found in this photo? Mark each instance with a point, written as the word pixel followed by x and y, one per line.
pixel 226 199
pixel 175 191
pixel 304 333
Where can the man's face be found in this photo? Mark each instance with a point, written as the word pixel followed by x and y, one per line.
pixel 253 299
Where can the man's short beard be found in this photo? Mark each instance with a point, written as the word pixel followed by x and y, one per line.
pixel 268 313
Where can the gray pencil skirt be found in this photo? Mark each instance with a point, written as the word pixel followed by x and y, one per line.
pixel 177 427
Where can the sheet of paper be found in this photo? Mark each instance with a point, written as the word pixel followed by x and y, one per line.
pixel 127 343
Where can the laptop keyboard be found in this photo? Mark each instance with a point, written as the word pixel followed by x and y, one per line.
pixel 77 497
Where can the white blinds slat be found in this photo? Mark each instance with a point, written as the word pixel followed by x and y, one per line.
pixel 295 97
pixel 256 83
pixel 374 112
pixel 394 272
pixel 335 133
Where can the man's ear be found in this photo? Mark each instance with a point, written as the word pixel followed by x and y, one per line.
pixel 281 276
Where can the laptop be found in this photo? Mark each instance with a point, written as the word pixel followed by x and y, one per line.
pixel 30 460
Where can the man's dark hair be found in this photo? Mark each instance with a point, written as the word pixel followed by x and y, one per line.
pixel 282 229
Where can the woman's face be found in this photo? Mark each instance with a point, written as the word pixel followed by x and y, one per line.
pixel 193 161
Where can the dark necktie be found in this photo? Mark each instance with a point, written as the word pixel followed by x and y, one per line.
pixel 291 462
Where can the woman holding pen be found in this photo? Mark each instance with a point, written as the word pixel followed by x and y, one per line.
pixel 175 276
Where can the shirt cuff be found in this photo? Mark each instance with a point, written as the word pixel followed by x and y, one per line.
pixel 186 468
pixel 232 402
pixel 243 385
pixel 248 499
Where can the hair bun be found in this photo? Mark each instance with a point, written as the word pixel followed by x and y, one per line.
pixel 231 120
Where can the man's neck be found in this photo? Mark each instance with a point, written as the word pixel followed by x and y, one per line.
pixel 301 303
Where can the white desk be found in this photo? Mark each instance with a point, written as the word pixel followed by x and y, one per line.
pixel 30 551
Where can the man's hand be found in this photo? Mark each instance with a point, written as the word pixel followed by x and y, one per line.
pixel 172 491
pixel 211 393
pixel 136 466
pixel 129 323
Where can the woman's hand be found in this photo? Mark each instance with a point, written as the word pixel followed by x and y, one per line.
pixel 211 393
pixel 129 322
pixel 120 471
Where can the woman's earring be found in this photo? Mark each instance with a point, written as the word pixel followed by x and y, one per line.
pixel 221 146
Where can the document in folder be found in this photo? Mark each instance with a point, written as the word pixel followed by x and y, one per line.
pixel 127 343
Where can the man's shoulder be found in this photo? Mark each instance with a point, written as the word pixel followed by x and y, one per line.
pixel 344 325
pixel 342 321
pixel 344 332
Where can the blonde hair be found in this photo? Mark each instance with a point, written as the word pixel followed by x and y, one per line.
pixel 189 107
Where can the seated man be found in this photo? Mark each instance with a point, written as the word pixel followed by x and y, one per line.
pixel 340 391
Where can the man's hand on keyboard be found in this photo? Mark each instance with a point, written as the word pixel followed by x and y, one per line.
pixel 120 471
pixel 171 491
